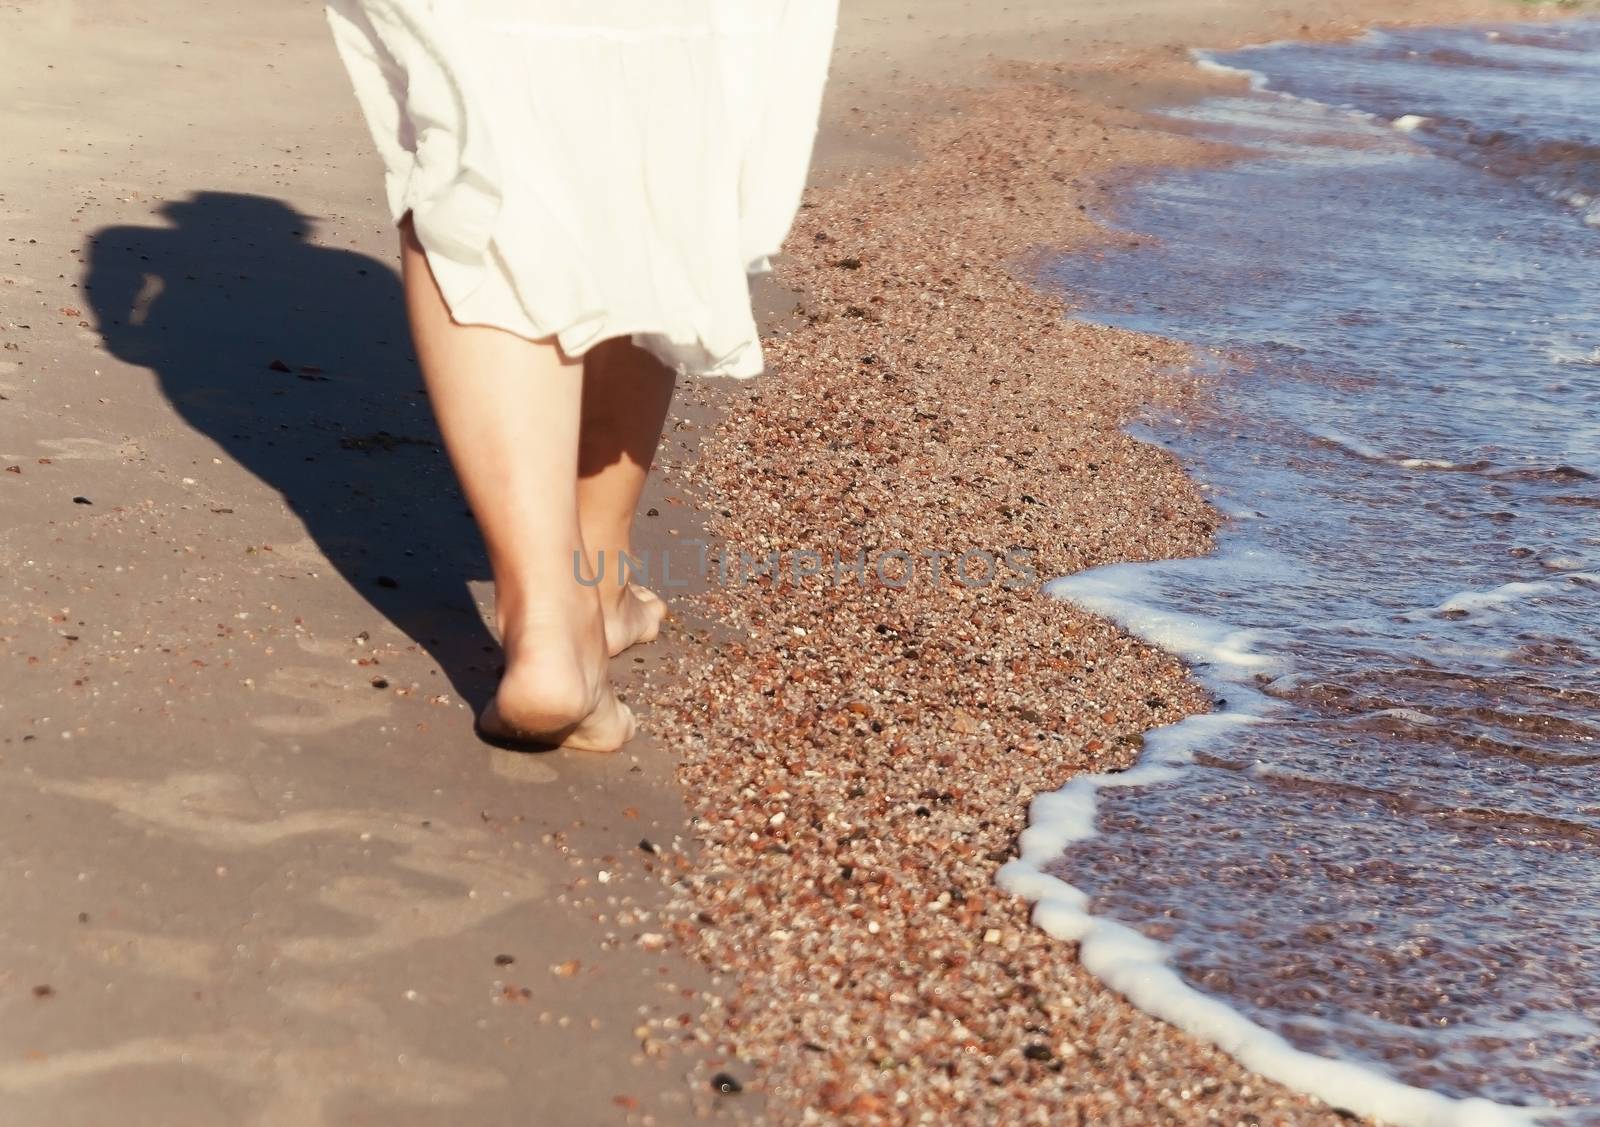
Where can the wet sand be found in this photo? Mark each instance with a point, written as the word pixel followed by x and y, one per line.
pixel 257 870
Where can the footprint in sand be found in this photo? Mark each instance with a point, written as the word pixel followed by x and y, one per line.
pixel 338 649
pixel 439 880
pixel 80 449
pixel 521 767
pixel 328 1045
pixel 327 701
pixel 298 1082
pixel 160 955
pixel 303 552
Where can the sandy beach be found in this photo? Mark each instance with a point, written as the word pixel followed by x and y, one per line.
pixel 257 868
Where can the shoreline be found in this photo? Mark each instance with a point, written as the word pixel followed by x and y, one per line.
pixel 794 790
pixel 1190 607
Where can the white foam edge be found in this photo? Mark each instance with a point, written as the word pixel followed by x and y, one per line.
pixel 1573 354
pixel 1106 591
pixel 1138 967
pixel 1257 80
pixel 1506 594
pixel 1365 450
pixel 1261 84
pixel 1203 59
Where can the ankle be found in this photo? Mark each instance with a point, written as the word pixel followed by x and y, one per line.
pixel 611 595
pixel 611 559
pixel 540 618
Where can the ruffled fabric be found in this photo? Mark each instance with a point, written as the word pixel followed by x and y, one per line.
pixel 589 169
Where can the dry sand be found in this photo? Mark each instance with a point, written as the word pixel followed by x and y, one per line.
pixel 256 869
pixel 251 847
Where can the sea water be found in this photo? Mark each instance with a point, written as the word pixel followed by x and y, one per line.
pixel 1373 871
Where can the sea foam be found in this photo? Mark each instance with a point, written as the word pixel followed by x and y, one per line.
pixel 1366 873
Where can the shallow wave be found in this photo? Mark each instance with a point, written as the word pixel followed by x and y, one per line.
pixel 1555 153
pixel 1366 874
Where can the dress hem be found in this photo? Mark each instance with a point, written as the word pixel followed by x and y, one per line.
pixel 728 366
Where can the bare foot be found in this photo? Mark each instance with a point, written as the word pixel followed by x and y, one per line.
pixel 555 692
pixel 633 616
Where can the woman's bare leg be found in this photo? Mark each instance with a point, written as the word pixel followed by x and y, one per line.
pixel 509 409
pixel 626 392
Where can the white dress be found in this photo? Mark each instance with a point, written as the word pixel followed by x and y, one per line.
pixel 587 169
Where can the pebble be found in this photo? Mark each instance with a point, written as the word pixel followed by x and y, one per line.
pixel 929 398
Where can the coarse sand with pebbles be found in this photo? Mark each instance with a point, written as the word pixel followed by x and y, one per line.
pixel 859 756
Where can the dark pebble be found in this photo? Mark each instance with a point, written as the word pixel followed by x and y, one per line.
pixel 504 960
pixel 279 366
pixel 380 682
pixel 82 501
pixel 44 990
pixel 726 1084
pixel 648 846
pixel 1037 1051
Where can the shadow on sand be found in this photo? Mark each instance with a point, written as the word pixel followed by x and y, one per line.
pixel 295 360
